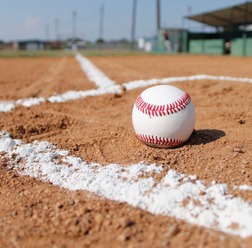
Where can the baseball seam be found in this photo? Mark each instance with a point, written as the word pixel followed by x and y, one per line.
pixel 155 140
pixel 162 110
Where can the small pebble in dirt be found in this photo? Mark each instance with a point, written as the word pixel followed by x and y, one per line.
pixel 99 218
pixel 238 150
pixel 173 230
pixel 125 222
pixel 242 122
pixel 123 237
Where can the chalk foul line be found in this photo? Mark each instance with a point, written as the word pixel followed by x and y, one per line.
pixel 107 86
pixel 93 73
pixel 182 196
pixel 6 106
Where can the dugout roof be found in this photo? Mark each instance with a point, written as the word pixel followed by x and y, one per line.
pixel 232 16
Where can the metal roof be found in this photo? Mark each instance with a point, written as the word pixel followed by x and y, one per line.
pixel 232 16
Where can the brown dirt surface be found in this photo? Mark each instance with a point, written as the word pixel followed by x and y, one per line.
pixel 128 68
pixel 34 77
pixel 99 129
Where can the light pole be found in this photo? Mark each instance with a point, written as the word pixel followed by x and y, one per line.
pixel 57 29
pixel 133 27
pixel 74 25
pixel 158 15
pixel 101 22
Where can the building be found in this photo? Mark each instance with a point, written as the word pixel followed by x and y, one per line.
pixel 2 44
pixel 232 36
pixel 35 45
pixel 30 45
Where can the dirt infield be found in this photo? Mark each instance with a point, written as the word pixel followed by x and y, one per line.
pixel 124 69
pixel 99 129
pixel 32 77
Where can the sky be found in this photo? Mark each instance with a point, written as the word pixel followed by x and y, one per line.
pixel 47 19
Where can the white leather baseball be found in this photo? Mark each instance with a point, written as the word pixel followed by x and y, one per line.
pixel 163 116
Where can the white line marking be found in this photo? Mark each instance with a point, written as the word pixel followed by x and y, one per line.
pixel 72 95
pixel 144 83
pixel 28 102
pixel 93 73
pixel 6 106
pixel 178 195
pixel 243 187
pixel 107 86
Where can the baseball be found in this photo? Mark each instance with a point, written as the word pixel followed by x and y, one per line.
pixel 163 116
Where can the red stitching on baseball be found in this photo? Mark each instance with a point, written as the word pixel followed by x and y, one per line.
pixel 161 110
pixel 154 140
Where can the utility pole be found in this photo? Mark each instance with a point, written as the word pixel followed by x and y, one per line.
pixel 189 12
pixel 57 29
pixel 74 25
pixel 47 32
pixel 158 15
pixel 133 27
pixel 101 22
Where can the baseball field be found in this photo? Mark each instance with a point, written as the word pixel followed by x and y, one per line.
pixel 74 174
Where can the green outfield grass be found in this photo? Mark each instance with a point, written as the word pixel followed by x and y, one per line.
pixel 43 53
pixel 109 52
pixel 67 52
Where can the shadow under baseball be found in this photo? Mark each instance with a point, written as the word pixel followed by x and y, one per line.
pixel 204 136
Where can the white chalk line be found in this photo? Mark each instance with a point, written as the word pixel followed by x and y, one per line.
pixel 166 198
pixel 94 74
pixel 243 187
pixel 108 86
pixel 182 196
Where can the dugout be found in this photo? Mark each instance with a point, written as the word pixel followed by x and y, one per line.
pixel 233 32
